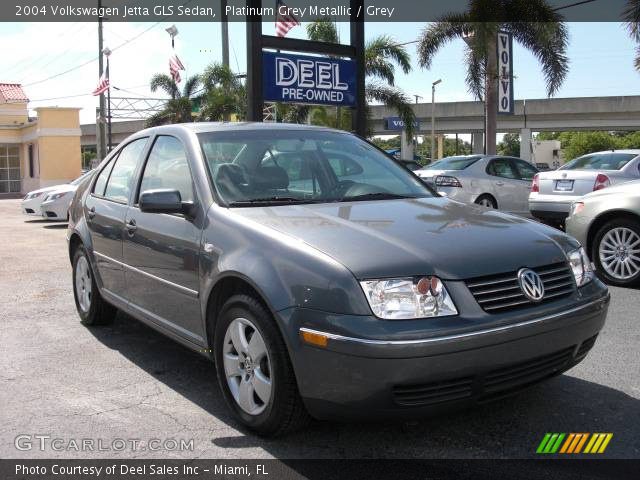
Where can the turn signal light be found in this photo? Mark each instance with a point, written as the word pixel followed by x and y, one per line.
pixel 535 184
pixel 313 338
pixel 602 181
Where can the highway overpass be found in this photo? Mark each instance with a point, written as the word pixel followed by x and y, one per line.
pixel 554 114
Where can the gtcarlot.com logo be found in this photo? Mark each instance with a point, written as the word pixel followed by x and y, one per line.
pixel 574 443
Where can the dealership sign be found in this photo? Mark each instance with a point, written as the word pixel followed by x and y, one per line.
pixel 396 123
pixel 306 79
pixel 505 73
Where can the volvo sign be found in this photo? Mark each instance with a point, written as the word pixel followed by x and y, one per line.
pixel 505 73
pixel 306 79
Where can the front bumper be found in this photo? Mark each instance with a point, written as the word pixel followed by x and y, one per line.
pixel 357 377
pixel 55 209
pixel 31 206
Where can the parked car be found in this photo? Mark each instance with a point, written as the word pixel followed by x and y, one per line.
pixel 338 294
pixel 488 180
pixel 410 165
pixel 55 204
pixel 552 193
pixel 607 223
pixel 32 200
pixel 543 167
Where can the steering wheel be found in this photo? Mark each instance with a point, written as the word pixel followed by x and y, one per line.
pixel 362 189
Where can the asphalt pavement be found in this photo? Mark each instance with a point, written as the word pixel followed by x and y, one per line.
pixel 62 383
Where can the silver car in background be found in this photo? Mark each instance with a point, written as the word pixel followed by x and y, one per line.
pixel 489 180
pixel 552 193
pixel 607 224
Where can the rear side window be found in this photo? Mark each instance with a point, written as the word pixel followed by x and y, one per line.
pixel 501 167
pixel 101 182
pixel 168 168
pixel 526 171
pixel 121 178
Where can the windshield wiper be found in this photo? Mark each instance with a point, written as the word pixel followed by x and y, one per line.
pixel 375 196
pixel 270 200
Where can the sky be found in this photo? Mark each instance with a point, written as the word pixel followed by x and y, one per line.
pixel 601 56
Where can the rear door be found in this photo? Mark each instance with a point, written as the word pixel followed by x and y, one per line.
pixel 161 251
pixel 506 183
pixel 105 211
pixel 526 172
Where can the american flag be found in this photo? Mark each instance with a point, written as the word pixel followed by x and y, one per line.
pixel 103 83
pixel 175 65
pixel 284 23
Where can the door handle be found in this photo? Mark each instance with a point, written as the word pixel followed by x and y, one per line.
pixel 499 184
pixel 131 227
pixel 92 212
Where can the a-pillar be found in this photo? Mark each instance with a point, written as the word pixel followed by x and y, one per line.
pixel 525 144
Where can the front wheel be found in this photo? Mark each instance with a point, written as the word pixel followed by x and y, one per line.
pixel 92 308
pixel 616 252
pixel 254 369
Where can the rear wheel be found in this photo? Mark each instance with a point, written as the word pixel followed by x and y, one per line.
pixel 487 201
pixel 616 252
pixel 254 369
pixel 92 308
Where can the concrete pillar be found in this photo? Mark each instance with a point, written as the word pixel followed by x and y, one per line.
pixel 440 146
pixel 477 143
pixel 406 146
pixel 525 144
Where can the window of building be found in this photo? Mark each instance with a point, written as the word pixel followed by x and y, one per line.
pixel 10 169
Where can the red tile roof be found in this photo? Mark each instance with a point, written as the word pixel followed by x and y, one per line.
pixel 12 92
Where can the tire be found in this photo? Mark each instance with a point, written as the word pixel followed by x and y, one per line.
pixel 92 308
pixel 487 200
pixel 618 238
pixel 277 412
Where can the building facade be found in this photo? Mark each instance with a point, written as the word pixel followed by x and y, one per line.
pixel 36 152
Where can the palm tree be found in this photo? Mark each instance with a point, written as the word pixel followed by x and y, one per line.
pixel 537 27
pixel 382 55
pixel 180 104
pixel 224 94
pixel 632 16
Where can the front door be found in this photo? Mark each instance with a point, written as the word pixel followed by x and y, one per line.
pixel 161 251
pixel 105 211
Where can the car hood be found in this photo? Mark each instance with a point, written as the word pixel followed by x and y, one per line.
pixel 62 189
pixel 434 236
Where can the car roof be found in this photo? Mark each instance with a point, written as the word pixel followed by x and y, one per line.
pixel 203 127
pixel 628 150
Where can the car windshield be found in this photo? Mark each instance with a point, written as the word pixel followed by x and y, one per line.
pixel 302 166
pixel 600 161
pixel 453 163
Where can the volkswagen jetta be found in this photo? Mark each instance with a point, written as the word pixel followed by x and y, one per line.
pixel 325 279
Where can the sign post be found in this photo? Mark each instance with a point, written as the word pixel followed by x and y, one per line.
pixel 505 73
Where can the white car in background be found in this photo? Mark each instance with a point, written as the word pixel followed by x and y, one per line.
pixel 490 180
pixel 552 193
pixel 32 200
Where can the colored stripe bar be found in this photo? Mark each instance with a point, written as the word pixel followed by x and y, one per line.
pixel 594 437
pixel 607 439
pixel 567 443
pixel 543 443
pixel 581 442
pixel 551 443
pixel 556 446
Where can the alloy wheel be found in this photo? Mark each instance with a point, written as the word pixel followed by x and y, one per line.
pixel 83 284
pixel 247 366
pixel 619 253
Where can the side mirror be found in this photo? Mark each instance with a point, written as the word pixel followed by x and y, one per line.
pixel 163 201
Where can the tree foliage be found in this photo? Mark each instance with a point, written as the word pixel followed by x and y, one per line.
pixel 510 145
pixel 576 144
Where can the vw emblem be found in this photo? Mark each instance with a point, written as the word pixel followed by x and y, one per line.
pixel 531 284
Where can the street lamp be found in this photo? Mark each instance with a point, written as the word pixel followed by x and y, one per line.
pixel 433 118
pixel 173 31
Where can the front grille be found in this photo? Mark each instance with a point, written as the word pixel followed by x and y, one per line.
pixel 437 392
pixel 51 214
pixel 502 292
pixel 493 384
pixel 29 210
pixel 523 374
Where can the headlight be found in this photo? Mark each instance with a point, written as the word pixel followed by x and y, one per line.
pixel 56 196
pixel 581 266
pixel 576 207
pixel 406 298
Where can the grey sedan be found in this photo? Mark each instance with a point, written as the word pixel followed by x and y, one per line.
pixel 322 277
pixel 607 222
pixel 488 180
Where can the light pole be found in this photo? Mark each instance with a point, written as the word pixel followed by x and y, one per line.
pixel 173 31
pixel 418 98
pixel 433 118
pixel 106 51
